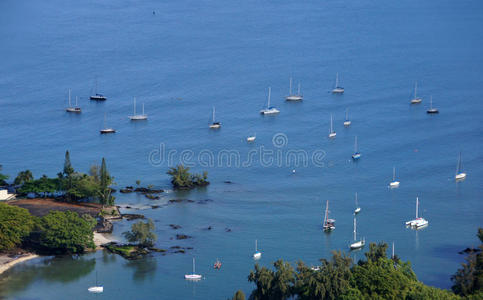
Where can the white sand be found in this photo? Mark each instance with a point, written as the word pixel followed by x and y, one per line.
pixel 10 262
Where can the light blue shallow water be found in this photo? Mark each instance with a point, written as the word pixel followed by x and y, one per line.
pixel 227 53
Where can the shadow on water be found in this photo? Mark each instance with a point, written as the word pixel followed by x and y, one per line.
pixel 62 269
pixel 143 268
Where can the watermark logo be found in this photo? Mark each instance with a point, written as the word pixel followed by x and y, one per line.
pixel 276 155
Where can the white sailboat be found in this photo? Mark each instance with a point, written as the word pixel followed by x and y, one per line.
pixel 214 124
pixel 97 96
pixel 269 110
pixel 356 154
pixel 431 109
pixel 193 276
pixel 97 288
pixel 337 89
pixel 418 222
pixel 136 117
pixel 251 138
pixel 257 254
pixel 329 224
pixel 358 209
pixel 347 122
pixel 459 175
pixel 394 183
pixel 416 99
pixel 73 109
pixel 294 97
pixel 332 133
pixel 357 244
pixel 106 129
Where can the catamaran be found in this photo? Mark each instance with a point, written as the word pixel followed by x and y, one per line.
pixel 97 288
pixel 97 96
pixel 347 122
pixel 214 124
pixel 193 276
pixel 358 209
pixel 257 254
pixel 269 110
pixel 394 183
pixel 418 222
pixel 431 109
pixel 356 154
pixel 459 175
pixel 135 117
pixel 294 97
pixel 337 89
pixel 329 224
pixel 416 99
pixel 106 129
pixel 71 109
pixel 332 133
pixel 357 244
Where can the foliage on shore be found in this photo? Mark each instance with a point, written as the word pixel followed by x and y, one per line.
pixel 16 223
pixel 376 277
pixel 141 233
pixel 56 233
pixel 73 186
pixel 181 178
pixel 3 177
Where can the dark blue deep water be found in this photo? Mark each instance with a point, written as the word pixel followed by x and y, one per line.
pixel 192 55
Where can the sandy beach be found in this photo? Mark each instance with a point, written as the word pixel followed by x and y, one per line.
pixel 7 262
pixel 101 239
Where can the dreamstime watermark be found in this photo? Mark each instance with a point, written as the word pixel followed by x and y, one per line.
pixel 277 155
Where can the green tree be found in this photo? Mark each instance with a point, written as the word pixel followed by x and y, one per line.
pixel 278 284
pixel 239 295
pixel 3 177
pixel 23 176
pixel 15 224
pixel 141 233
pixel 468 280
pixel 181 177
pixel 68 169
pixel 65 232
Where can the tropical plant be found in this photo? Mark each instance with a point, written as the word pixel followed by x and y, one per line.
pixel 3 177
pixel 15 224
pixel 239 295
pixel 23 176
pixel 182 179
pixel 141 233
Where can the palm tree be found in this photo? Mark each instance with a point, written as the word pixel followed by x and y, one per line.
pixel 23 177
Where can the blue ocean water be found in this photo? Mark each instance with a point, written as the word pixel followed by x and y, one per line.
pixel 192 55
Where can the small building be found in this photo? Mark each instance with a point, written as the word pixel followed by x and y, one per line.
pixel 4 195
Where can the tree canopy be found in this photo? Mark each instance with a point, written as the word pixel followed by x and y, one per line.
pixel 141 233
pixel 181 178
pixel 15 224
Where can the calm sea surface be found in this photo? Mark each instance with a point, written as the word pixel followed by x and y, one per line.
pixel 192 55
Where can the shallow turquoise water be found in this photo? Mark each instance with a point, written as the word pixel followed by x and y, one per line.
pixel 227 54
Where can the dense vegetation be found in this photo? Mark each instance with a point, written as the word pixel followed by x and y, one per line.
pixel 64 232
pixel 15 224
pixel 375 277
pixel 181 178
pixel 3 177
pixel 141 233
pixel 71 185
pixel 57 232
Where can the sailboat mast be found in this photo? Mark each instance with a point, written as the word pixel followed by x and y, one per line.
pixel 458 166
pixel 143 108
pixel 431 102
pixel 76 101
pixel 356 200
pixel 269 92
pixel 355 144
pixel 134 106
pixel 194 271
pixel 213 114
pixel 290 89
pixel 69 99
pixel 347 114
pixel 331 119
pixel 355 226
pixel 298 91
pixel 336 80
pixel 256 245
pixel 393 173
pixel 105 117
pixel 415 89
pixel 417 206
pixel 326 212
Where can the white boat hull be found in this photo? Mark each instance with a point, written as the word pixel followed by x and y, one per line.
pixel 338 91
pixel 192 277
pixel 138 117
pixel 460 176
pixel 108 130
pixel 294 98
pixel 357 245
pixel 73 109
pixel 332 134
pixel 257 255
pixel 394 184
pixel 416 100
pixel 357 210
pixel 96 289
pixel 347 123
pixel 251 139
pixel 356 156
pixel 271 111
pixel 215 126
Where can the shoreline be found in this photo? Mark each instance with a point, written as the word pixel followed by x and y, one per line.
pixel 13 261
pixel 101 239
